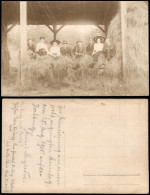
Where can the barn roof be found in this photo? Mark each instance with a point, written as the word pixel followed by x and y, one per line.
pixel 61 12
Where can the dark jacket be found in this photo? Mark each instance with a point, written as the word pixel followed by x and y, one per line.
pixel 31 47
pixel 78 51
pixel 109 51
pixel 89 49
pixel 65 51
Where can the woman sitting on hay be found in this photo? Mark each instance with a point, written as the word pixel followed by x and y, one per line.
pixel 55 50
pixel 105 53
pixel 41 47
pixel 98 46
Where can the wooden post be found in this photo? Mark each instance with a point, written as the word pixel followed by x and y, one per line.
pixel 55 31
pixel 123 38
pixel 23 32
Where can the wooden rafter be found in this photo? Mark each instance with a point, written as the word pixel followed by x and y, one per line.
pixel 50 28
pixel 54 29
pixel 11 27
pixel 100 28
pixel 60 28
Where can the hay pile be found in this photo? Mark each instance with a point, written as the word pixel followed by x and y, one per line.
pixel 137 46
pixel 137 35
pixel 45 71
pixel 136 42
pixel 114 34
pixel 85 72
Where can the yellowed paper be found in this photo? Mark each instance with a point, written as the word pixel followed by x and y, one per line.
pixel 75 146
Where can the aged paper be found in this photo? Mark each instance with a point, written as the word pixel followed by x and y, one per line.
pixel 75 146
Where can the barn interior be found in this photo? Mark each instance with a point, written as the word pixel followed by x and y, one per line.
pixel 52 14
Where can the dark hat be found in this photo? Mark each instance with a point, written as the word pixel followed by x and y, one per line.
pixel 64 42
pixel 57 41
pixel 101 37
pixel 42 38
pixel 79 41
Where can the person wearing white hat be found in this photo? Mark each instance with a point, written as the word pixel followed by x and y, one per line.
pixel 98 46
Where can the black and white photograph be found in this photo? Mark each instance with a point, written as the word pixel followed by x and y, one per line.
pixel 75 48
pixel 74 97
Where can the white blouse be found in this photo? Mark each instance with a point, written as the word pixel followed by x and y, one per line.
pixel 55 50
pixel 42 46
pixel 98 47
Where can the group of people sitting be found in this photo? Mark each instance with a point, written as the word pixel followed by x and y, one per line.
pixel 95 48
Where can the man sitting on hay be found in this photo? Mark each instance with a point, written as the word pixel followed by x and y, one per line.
pixel 65 49
pixel 90 47
pixel 79 49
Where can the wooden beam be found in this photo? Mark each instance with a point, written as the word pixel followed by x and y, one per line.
pixel 60 22
pixel 55 31
pixel 60 28
pixel 101 28
pixel 11 27
pixel 23 26
pixel 123 10
pixel 23 31
pixel 50 28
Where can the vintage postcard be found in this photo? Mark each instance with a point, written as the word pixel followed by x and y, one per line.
pixel 75 146
pixel 75 48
